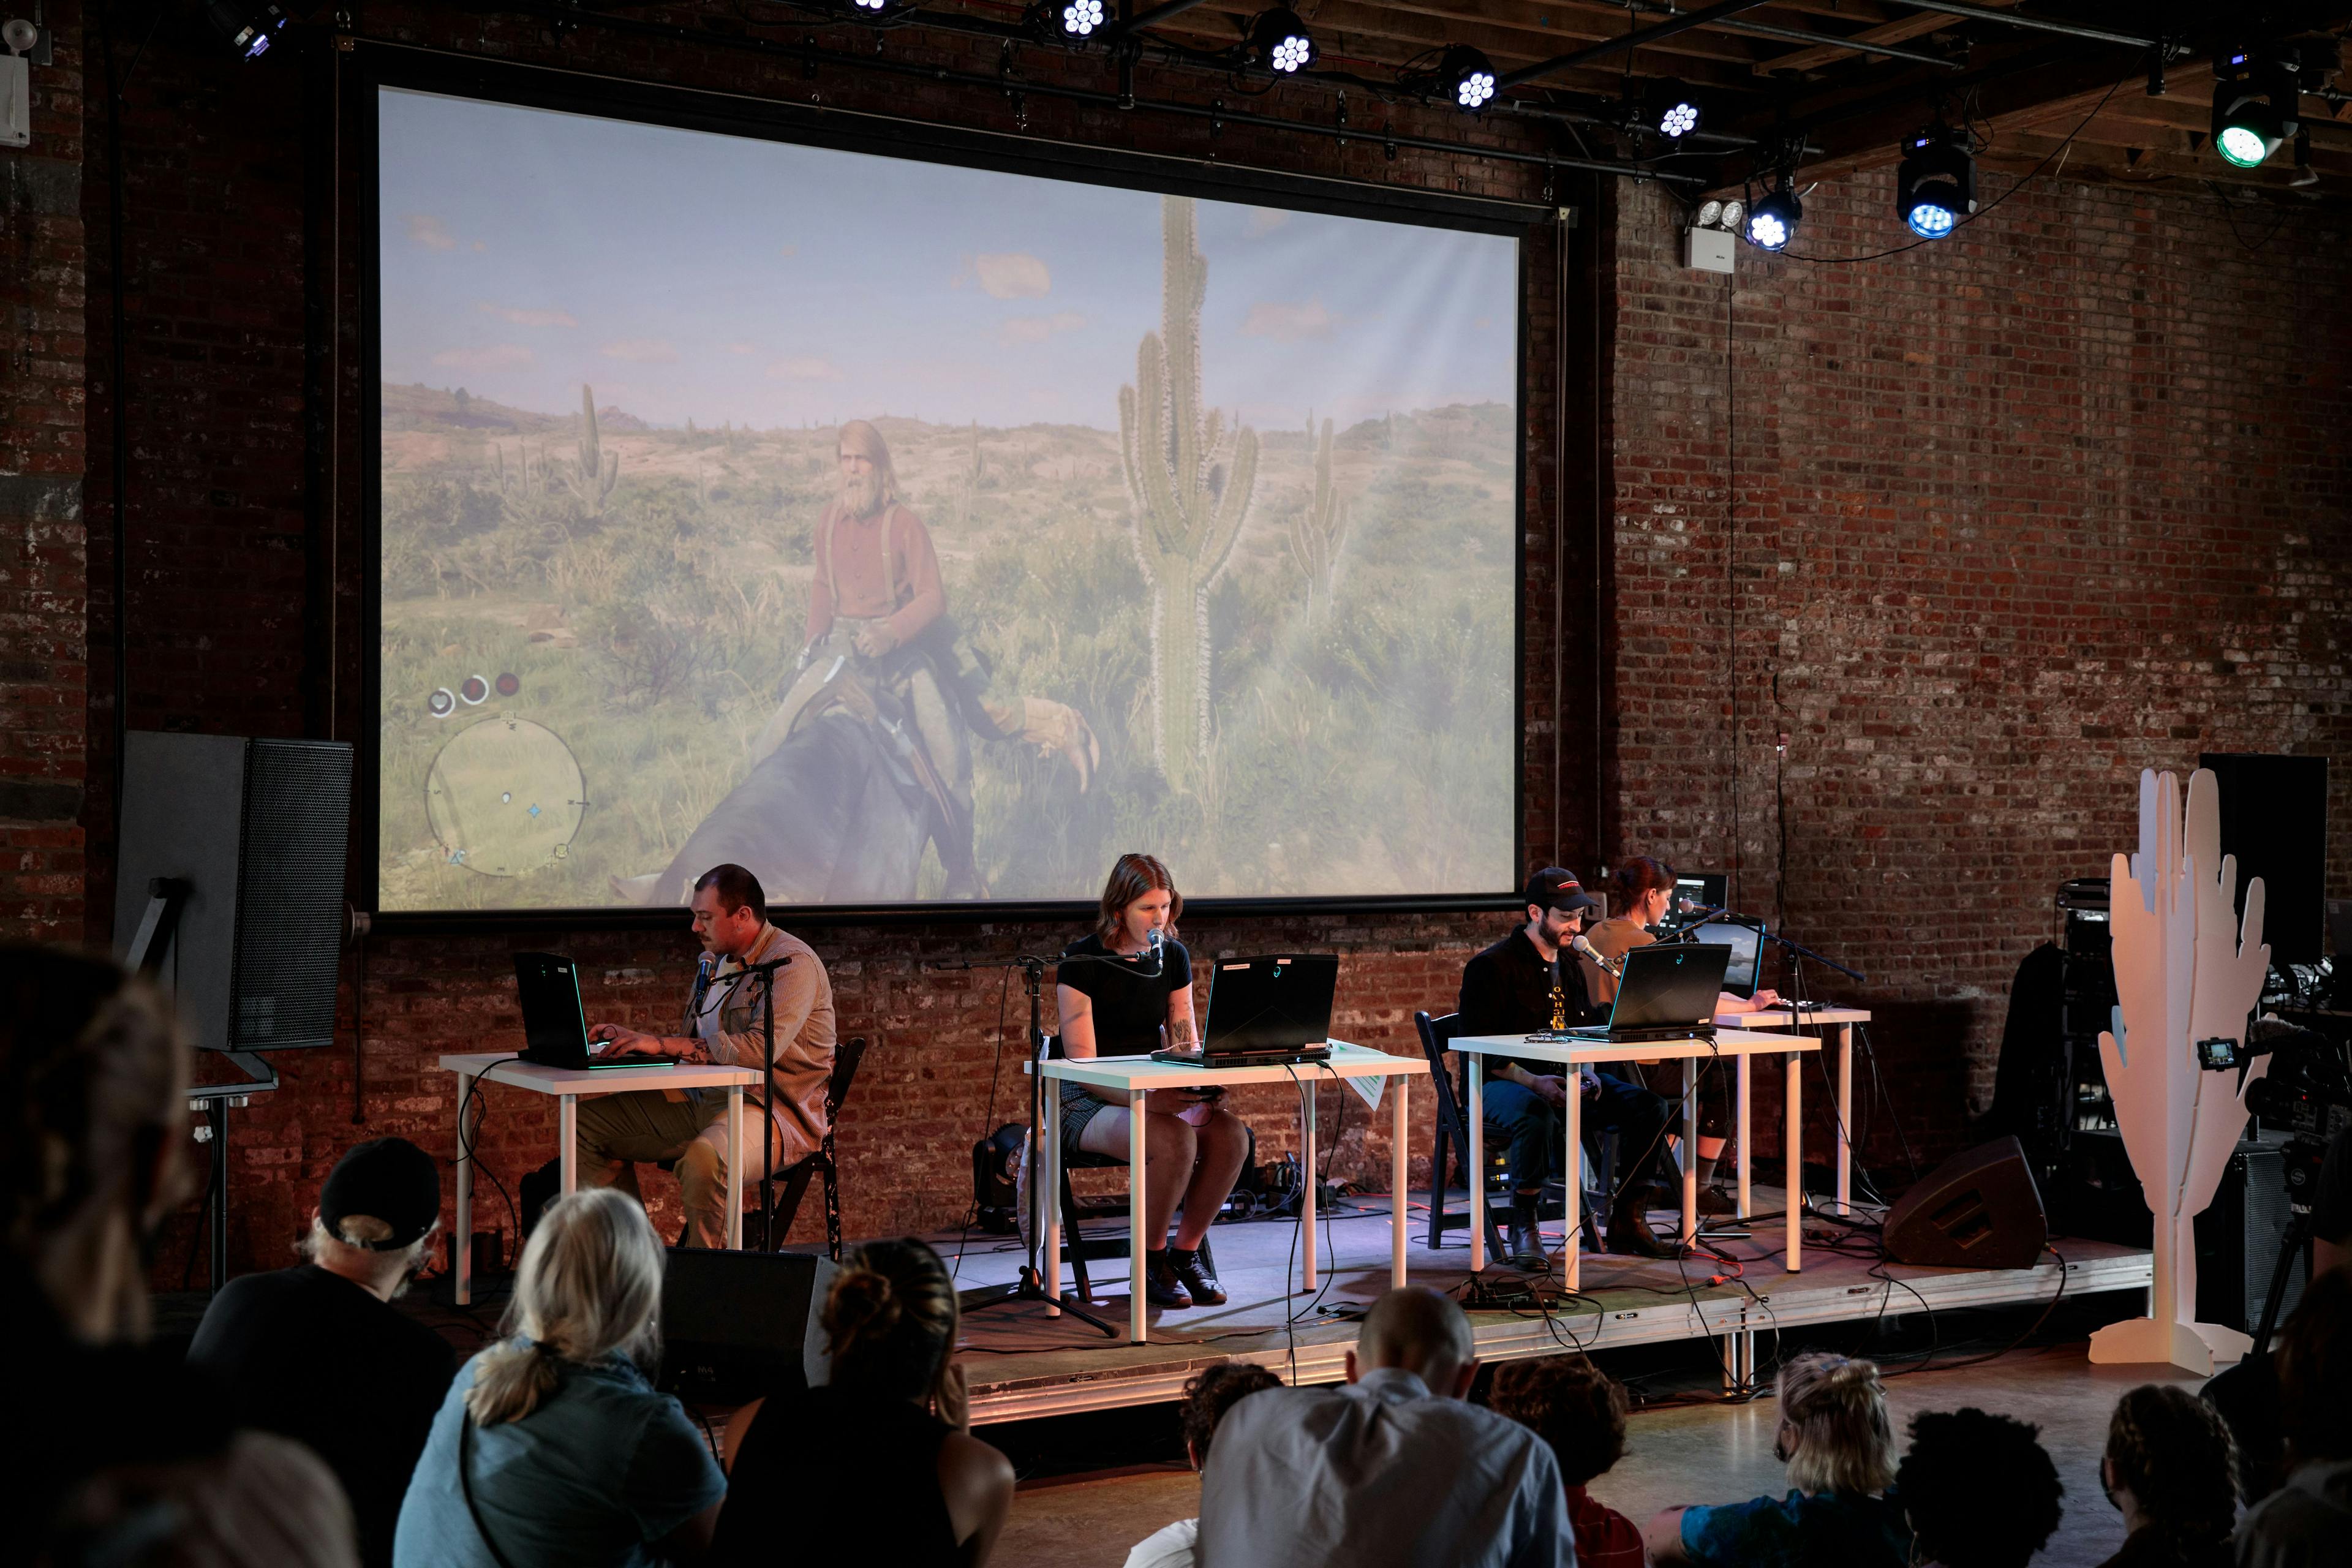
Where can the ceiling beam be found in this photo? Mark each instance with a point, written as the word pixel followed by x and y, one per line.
pixel 1637 38
pixel 2034 24
pixel 1893 32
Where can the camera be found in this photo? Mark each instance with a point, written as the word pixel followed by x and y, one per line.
pixel 2308 1091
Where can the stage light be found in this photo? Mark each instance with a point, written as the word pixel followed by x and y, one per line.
pixel 1936 185
pixel 1079 18
pixel 1280 39
pixel 1772 222
pixel 2257 104
pixel 249 30
pixel 1467 77
pixel 1674 109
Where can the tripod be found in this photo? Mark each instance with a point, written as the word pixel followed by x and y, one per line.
pixel 2291 1250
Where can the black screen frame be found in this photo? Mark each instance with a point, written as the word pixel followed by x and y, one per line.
pixel 377 66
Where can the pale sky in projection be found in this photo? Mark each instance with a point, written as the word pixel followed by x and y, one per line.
pixel 687 274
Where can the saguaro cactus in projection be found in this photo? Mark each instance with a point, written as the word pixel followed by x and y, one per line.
pixel 2182 975
pixel 598 471
pixel 1189 481
pixel 1316 529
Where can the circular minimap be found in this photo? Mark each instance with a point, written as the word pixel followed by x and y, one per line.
pixel 504 796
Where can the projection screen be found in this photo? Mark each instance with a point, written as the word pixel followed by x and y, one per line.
pixel 912 532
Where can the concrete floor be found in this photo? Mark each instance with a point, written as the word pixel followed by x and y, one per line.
pixel 1700 1454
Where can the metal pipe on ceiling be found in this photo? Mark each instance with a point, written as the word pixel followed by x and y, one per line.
pixel 1802 36
pixel 2032 24
pixel 1638 38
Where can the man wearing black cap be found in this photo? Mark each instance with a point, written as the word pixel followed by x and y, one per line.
pixel 1506 990
pixel 316 1352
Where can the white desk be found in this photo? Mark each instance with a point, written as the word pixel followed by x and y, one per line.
pixel 1836 1024
pixel 569 1086
pixel 1137 1076
pixel 1739 1044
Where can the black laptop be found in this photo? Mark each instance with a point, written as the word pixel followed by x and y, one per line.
pixel 1266 1011
pixel 554 1027
pixel 1667 991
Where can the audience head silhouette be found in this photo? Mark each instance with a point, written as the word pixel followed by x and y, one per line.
pixel 1960 1462
pixel 589 1287
pixel 1836 1435
pixel 2170 1461
pixel 2314 1367
pixel 1213 1389
pixel 1574 1406
pixel 890 1324
pixel 1417 1331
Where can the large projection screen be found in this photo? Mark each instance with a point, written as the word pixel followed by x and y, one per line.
pixel 915 532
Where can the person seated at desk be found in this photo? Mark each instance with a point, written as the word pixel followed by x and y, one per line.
pixel 1110 1006
pixel 723 1025
pixel 1506 990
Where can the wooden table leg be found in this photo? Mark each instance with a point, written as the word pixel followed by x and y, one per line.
pixel 735 1169
pixel 1475 1114
pixel 1845 1118
pixel 1690 1151
pixel 1571 1255
pixel 1307 1195
pixel 1397 1136
pixel 1796 1152
pixel 1741 1131
pixel 1045 1190
pixel 1138 1330
pixel 464 1239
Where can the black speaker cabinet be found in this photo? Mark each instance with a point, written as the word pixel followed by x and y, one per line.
pixel 1977 1210
pixel 2275 820
pixel 738 1326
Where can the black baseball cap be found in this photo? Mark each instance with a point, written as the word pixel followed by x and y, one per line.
pixel 389 1178
pixel 1556 888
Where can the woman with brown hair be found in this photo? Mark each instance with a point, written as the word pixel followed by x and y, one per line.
pixel 2172 1471
pixel 1644 890
pixel 879 1465
pixel 1130 989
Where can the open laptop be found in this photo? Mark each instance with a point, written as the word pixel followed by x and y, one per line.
pixel 1667 993
pixel 1266 1011
pixel 554 1027
pixel 1747 945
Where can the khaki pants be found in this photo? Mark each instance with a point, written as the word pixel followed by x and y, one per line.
pixel 619 1131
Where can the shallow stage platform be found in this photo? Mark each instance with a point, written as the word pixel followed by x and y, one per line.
pixel 1024 1363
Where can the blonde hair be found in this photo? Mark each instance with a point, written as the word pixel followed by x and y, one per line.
pixel 890 1323
pixel 1837 1408
pixel 590 1285
pixel 1132 876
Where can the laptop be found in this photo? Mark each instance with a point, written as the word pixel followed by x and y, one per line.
pixel 554 1027
pixel 1667 993
pixel 1265 1011
pixel 1747 945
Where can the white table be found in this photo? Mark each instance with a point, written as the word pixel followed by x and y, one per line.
pixel 569 1085
pixel 1139 1077
pixel 1836 1024
pixel 1573 1054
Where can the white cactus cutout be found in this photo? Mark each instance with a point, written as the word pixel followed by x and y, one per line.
pixel 2181 976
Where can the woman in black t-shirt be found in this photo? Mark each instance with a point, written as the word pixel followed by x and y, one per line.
pixel 1194 1148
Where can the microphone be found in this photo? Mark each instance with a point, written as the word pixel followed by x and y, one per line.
pixel 1155 953
pixel 1608 965
pixel 704 969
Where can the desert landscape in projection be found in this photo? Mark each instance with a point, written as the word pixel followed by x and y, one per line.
pixel 1274 650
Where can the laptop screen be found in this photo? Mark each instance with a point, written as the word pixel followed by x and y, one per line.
pixel 1747 944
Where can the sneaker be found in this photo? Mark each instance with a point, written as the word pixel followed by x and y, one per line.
pixel 1195 1271
pixel 1161 1287
pixel 1716 1201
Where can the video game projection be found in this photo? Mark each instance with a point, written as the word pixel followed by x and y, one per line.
pixel 910 532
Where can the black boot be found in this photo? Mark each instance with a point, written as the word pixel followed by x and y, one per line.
pixel 1161 1287
pixel 1629 1225
pixel 1197 1273
pixel 1523 1246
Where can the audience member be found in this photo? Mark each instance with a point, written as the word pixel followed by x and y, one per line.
pixel 2308 1522
pixel 268 1338
pixel 2172 1472
pixel 134 1458
pixel 1978 1490
pixel 1213 1389
pixel 1391 1470
pixel 551 1449
pixel 879 1465
pixel 1839 1446
pixel 1579 1413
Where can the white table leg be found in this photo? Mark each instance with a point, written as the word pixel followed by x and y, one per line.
pixel 1796 1152
pixel 1307 1197
pixel 1743 1075
pixel 567 1133
pixel 1690 1151
pixel 1046 1191
pixel 735 1167
pixel 1139 1331
pixel 1571 1253
pixel 1844 1118
pixel 1397 1135
pixel 464 1248
pixel 1474 1114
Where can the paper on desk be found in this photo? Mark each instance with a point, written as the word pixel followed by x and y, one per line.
pixel 1371 1086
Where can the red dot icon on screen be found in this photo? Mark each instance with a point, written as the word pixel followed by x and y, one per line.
pixel 509 683
pixel 475 688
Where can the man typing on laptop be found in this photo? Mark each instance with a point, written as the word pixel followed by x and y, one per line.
pixel 723 1025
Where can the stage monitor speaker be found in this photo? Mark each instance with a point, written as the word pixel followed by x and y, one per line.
pixel 249 837
pixel 1977 1210
pixel 738 1326
pixel 2275 820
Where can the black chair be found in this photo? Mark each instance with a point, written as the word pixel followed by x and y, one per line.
pixel 1075 1244
pixel 1454 1138
pixel 791 1183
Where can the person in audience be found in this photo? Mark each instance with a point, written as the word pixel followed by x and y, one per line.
pixel 1579 1413
pixel 1393 1469
pixel 1839 1446
pixel 2308 1520
pixel 2172 1471
pixel 1213 1389
pixel 1978 1490
pixel 266 1337
pixel 126 1455
pixel 552 1447
pixel 890 1427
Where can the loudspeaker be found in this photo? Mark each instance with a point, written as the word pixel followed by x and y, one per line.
pixel 2240 1235
pixel 1977 1210
pixel 2275 820
pixel 738 1326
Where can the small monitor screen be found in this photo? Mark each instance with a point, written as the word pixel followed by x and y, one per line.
pixel 1698 892
pixel 1747 944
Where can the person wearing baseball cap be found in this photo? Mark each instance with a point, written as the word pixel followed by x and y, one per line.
pixel 317 1353
pixel 1506 990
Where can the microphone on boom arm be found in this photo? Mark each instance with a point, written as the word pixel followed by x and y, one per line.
pixel 1155 953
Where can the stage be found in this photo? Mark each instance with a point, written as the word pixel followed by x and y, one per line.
pixel 1023 1364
